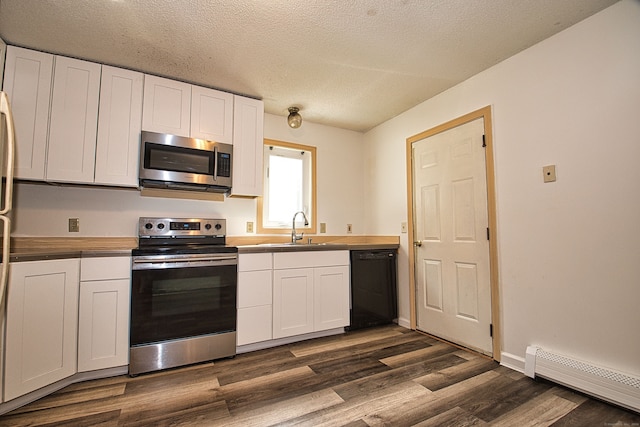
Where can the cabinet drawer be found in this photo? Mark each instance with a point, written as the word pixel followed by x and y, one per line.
pixel 254 288
pixel 303 259
pixel 105 268
pixel 254 324
pixel 252 262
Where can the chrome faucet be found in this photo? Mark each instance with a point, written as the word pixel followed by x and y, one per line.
pixel 294 236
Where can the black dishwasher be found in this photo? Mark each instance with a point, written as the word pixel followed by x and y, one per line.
pixel 373 288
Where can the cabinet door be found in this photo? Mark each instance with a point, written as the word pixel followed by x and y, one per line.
pixel 167 106
pixel 331 297
pixel 248 129
pixel 254 324
pixel 292 302
pixel 27 81
pixel 119 126
pixel 41 325
pixel 103 326
pixel 74 121
pixel 211 115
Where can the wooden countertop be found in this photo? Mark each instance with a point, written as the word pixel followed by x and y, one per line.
pixel 46 248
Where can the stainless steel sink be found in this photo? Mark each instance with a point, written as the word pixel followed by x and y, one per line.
pixel 302 245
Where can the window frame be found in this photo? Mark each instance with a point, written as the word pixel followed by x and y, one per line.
pixel 311 228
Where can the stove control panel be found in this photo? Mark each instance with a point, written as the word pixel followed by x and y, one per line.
pixel 170 227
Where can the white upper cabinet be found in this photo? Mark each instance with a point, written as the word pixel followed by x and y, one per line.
pixel 27 81
pixel 248 124
pixel 80 122
pixel 119 126
pixel 167 106
pixel 211 115
pixel 182 109
pixel 73 121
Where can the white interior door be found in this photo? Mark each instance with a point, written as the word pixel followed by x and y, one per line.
pixel 453 287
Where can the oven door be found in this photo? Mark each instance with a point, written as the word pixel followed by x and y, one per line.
pixel 174 299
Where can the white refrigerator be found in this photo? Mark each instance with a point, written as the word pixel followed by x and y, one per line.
pixel 7 149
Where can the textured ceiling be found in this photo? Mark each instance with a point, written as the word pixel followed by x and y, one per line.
pixel 350 64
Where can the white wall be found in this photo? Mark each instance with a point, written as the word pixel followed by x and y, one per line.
pixel 43 209
pixel 569 257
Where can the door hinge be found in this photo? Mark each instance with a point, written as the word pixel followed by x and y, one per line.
pixel 491 330
pixel 488 235
pixel 484 141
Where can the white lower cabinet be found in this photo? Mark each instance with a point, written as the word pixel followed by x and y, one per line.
pixel 293 302
pixel 103 317
pixel 41 324
pixel 284 294
pixel 254 298
pixel 330 297
pixel 310 292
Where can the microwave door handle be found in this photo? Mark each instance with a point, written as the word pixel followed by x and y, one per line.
pixel 215 163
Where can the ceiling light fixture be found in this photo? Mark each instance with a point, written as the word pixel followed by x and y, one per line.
pixel 294 119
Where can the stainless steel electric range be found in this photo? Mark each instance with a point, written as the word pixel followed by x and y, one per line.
pixel 183 294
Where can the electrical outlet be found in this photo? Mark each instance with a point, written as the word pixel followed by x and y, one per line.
pixel 403 227
pixel 323 227
pixel 249 227
pixel 74 225
pixel 349 228
pixel 549 173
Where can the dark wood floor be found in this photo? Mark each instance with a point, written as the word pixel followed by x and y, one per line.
pixel 386 376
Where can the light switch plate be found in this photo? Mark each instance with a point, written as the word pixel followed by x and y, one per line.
pixel 74 225
pixel 349 228
pixel 403 227
pixel 549 173
pixel 323 227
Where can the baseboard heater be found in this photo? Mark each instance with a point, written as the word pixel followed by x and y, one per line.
pixel 604 383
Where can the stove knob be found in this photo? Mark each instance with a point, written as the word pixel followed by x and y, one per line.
pixel 148 226
pixel 218 226
pixel 208 226
pixel 161 226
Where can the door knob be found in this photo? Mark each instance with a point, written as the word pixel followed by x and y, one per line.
pixel 418 243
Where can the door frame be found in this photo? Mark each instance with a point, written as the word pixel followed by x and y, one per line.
pixel 484 113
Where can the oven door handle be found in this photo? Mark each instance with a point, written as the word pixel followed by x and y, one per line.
pixel 148 262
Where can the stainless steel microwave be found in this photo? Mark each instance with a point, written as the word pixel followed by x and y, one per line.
pixel 176 162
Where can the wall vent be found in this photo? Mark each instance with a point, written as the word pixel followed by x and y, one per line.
pixel 604 383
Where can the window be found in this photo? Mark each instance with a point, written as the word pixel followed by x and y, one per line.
pixel 289 187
